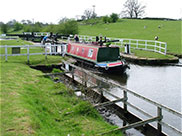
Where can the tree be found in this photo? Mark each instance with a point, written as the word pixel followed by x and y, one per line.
pixel 133 9
pixel 4 28
pixel 11 23
pixel 83 17
pixel 114 17
pixel 68 27
pixel 106 19
pixel 88 13
pixel 63 20
pixel 17 26
pixel 139 9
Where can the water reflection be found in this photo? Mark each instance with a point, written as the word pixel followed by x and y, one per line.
pixel 160 83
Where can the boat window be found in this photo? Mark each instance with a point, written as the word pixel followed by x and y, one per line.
pixel 90 53
pixel 82 50
pixel 72 49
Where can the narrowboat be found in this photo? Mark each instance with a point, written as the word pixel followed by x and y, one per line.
pixel 103 58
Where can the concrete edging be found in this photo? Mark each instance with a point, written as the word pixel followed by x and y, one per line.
pixel 148 61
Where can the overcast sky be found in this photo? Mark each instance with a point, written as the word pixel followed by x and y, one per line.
pixel 53 10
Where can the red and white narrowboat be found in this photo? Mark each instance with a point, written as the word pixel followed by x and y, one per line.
pixel 103 58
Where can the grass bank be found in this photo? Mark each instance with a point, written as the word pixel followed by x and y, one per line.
pixel 167 31
pixel 148 54
pixel 15 42
pixel 34 105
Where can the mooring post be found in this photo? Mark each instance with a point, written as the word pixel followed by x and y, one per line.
pixel 6 53
pixel 159 126
pixel 125 100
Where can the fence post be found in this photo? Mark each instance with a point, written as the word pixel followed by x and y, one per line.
pixel 137 44
pixel 159 126
pixel 121 40
pixel 6 53
pixel 130 42
pixel 146 44
pixel 160 48
pixel 165 48
pixel 85 78
pixel 72 74
pixel 68 39
pixel 125 100
pixel 28 51
pixel 45 51
pixel 155 46
pixel 101 92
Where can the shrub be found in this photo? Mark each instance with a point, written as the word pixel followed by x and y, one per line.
pixel 114 17
pixel 85 108
pixel 70 27
pixel 55 70
pixel 106 19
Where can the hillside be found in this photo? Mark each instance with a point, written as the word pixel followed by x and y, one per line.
pixel 167 31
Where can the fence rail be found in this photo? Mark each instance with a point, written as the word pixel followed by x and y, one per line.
pixel 46 50
pixel 148 45
pixel 124 100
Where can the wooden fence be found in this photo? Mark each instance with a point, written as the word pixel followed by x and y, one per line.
pixel 15 50
pixel 87 75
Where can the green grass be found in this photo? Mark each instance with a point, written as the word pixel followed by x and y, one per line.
pixel 15 42
pixel 148 54
pixel 34 105
pixel 169 32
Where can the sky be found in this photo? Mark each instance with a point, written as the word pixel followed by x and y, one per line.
pixel 51 11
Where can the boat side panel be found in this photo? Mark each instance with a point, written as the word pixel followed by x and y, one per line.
pixel 83 52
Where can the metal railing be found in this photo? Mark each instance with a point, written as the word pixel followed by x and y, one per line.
pixel 148 45
pixel 87 81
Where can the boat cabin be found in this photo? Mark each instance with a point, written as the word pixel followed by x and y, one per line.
pixel 101 56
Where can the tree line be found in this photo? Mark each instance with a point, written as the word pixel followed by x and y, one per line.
pixel 70 26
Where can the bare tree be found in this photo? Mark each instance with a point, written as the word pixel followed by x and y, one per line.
pixel 133 9
pixel 139 9
pixel 88 13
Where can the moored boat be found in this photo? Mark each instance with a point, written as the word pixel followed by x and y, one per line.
pixel 103 58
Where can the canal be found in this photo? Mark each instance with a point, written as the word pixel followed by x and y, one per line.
pixel 158 83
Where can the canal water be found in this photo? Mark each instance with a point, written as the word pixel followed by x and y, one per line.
pixel 158 83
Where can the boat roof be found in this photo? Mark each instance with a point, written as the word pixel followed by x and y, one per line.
pixel 92 44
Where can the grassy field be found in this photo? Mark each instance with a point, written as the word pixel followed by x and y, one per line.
pixel 15 42
pixel 169 31
pixel 34 105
